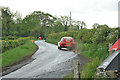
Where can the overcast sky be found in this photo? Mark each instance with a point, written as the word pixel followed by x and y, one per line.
pixel 89 11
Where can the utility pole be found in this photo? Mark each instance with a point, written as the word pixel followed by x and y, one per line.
pixel 0 25
pixel 70 20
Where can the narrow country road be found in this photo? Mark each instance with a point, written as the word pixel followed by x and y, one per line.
pixel 49 62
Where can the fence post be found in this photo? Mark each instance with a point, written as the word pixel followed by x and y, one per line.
pixel 76 70
pixel 110 45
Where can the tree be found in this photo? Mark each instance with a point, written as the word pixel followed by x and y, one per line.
pixel 95 25
pixel 7 21
pixel 103 26
pixel 78 24
pixel 65 21
pixel 28 23
pixel 46 21
pixel 36 24
pixel 58 27
pixel 17 17
pixel 83 25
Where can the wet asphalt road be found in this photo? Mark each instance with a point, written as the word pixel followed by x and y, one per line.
pixel 49 62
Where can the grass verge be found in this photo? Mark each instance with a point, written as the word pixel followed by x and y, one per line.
pixel 96 52
pixel 16 54
pixel 53 41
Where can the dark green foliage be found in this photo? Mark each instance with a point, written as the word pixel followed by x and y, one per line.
pixel 96 36
pixel 92 50
pixel 28 23
pixel 8 44
pixel 7 21
pixel 35 24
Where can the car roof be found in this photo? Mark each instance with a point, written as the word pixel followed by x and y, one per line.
pixel 66 37
pixel 111 62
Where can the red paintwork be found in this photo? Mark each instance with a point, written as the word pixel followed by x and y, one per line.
pixel 66 44
pixel 116 45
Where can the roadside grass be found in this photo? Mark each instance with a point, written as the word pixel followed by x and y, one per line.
pixel 16 54
pixel 96 52
pixel 53 41
pixel 89 69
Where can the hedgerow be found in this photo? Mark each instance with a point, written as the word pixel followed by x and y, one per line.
pixel 102 35
pixel 8 44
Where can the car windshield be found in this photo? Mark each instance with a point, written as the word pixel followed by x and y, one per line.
pixel 67 39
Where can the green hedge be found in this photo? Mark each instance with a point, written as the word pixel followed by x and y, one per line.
pixel 101 35
pixel 8 44
pixel 9 37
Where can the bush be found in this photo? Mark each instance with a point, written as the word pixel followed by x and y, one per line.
pixel 7 44
pixel 100 35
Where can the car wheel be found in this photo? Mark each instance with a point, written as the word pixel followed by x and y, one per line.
pixel 58 47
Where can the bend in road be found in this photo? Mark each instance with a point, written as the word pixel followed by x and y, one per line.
pixel 49 62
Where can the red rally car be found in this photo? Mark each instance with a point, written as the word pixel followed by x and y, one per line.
pixel 66 42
